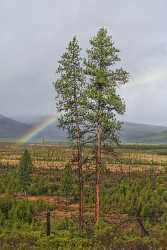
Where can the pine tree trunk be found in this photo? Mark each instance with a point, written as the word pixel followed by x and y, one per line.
pixel 144 232
pixel 98 165
pixel 48 226
pixel 80 173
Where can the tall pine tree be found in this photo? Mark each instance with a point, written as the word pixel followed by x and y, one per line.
pixel 69 87
pixel 103 101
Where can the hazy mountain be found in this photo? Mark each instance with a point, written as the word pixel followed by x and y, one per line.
pixel 30 119
pixel 159 138
pixel 130 133
pixel 51 133
pixel 10 128
pixel 133 132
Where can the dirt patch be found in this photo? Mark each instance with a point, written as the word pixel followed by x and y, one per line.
pixel 64 209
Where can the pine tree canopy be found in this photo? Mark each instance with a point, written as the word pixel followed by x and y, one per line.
pixel 103 99
pixel 69 87
pixel 25 170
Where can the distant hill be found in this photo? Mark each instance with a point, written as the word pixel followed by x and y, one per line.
pixel 51 133
pixel 159 138
pixel 134 132
pixel 10 128
pixel 130 132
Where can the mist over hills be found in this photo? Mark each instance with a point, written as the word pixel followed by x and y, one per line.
pixel 12 129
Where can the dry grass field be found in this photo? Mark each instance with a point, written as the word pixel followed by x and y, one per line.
pixel 121 159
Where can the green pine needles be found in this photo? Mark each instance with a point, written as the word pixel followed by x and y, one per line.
pixel 88 100
pixel 69 88
pixel 25 171
pixel 103 101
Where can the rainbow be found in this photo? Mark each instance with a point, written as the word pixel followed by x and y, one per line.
pixel 35 130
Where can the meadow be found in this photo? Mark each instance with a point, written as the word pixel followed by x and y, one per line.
pixel 133 198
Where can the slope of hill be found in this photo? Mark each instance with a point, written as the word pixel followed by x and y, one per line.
pixel 11 129
pixel 51 133
pixel 133 132
pixel 130 132
pixel 158 138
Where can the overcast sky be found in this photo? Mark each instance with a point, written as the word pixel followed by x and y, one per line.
pixel 34 33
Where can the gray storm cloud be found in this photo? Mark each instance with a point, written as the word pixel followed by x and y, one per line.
pixel 33 35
